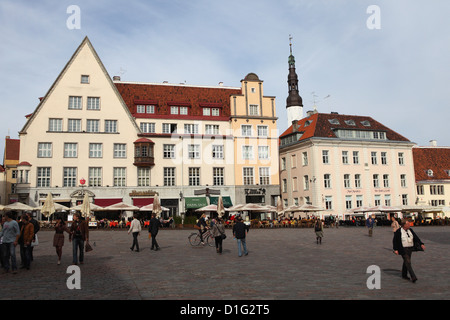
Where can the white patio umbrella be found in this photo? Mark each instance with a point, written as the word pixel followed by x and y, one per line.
pixel 58 207
pixel 49 206
pixel 382 208
pixel 18 206
pixel 211 207
pixel 1 207
pixel 149 207
pixel 280 206
pixel 157 206
pixel 92 206
pixel 121 206
pixel 220 207
pixel 86 207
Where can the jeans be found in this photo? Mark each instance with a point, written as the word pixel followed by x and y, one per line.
pixel 10 252
pixel 135 241
pixel 77 244
pixel 244 246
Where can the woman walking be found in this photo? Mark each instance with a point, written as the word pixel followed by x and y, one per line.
pixel 58 238
pixel 318 228
pixel 218 232
pixel 135 229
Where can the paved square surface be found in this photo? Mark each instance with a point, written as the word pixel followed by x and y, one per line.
pixel 283 264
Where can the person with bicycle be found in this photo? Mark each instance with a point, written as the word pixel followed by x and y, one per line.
pixel 203 227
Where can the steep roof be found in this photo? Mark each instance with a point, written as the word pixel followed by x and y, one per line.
pixel 436 159
pixel 163 96
pixel 323 125
pixel 12 149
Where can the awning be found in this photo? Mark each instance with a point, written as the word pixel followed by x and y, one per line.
pixel 195 202
pixel 106 201
pixel 140 202
pixel 226 201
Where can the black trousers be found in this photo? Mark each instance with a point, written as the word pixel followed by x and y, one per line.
pixel 135 241
pixel 407 267
pixel 154 243
pixel 218 243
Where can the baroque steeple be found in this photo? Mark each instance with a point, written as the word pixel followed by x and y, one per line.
pixel 294 103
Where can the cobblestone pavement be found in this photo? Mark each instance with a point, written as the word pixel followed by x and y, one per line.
pixel 283 264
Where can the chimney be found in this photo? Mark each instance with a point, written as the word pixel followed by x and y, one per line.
pixel 116 78
pixel 295 126
pixel 221 84
pixel 433 143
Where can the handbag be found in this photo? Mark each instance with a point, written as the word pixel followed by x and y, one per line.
pixel 35 242
pixel 223 235
pixel 88 247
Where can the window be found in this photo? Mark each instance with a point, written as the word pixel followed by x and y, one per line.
pixel 420 190
pixel 75 103
pixel 305 183
pixel 294 184
pixel 84 78
pixel 169 177
pixel 206 111
pixel 55 125
pixel 357 181
pixel 264 175
pixel 436 189
pixel 327 181
pixel 169 128
pixel 401 159
pixel 145 108
pixel 386 180
pixel 305 158
pixel 120 150
pixel 404 199
pixel 178 110
pixel 43 176
pixel 143 177
pixel 387 199
pixel 377 200
pixel 334 121
pixel 263 152
pixel 329 202
pixel 194 176
pixel 248 176
pixel 191 128
pixel 247 152
pixel 111 126
pixel 283 163
pixel 95 177
pixel 184 111
pixel 92 125
pixel 74 125
pixel 218 176
pixel 70 150
pixel 347 181
pixel 383 158
pixel 294 161
pixel 173 110
pixel 348 202
pixel 147 127
pixel 212 129
pixel 69 177
pixel 217 152
pixel 430 173
pixel 120 177
pixel 253 110
pixel 359 201
pixel 246 130
pixel 325 159
pixel 95 150
pixel 376 183
pixel 194 151
pixel 403 180
pixel 355 157
pixel 284 186
pixel 373 156
pixel 44 150
pixel 263 131
pixel 345 157
pixel 169 151
pixel 215 112
pixel 93 103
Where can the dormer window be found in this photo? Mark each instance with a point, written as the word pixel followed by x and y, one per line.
pixel 365 123
pixel 334 121
pixel 430 173
pixel 350 122
pixel 308 122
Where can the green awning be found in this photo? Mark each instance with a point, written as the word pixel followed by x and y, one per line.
pixel 226 201
pixel 195 202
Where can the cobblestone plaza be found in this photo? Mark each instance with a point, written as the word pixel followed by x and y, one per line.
pixel 283 264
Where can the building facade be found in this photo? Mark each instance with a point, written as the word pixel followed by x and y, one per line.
pixel 125 141
pixel 340 162
pixel 9 171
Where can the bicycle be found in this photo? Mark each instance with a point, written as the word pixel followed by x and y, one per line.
pixel 194 239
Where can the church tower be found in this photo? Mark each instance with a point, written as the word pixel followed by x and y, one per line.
pixel 294 103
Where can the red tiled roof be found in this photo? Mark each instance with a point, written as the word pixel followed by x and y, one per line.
pixel 437 159
pixel 12 149
pixel 163 96
pixel 320 126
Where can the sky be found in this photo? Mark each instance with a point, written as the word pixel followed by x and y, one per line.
pixel 391 63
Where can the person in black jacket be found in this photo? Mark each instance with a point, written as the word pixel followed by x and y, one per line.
pixel 405 242
pixel 153 228
pixel 239 232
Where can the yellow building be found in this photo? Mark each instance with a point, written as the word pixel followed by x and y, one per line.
pixel 254 128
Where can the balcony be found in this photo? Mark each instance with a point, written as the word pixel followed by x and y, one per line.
pixel 143 153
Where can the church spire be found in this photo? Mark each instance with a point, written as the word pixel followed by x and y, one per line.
pixel 294 103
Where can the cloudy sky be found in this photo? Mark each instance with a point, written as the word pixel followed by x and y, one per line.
pixel 399 74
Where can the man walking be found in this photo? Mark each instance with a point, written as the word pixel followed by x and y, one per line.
pixel 135 230
pixel 239 232
pixel 153 228
pixel 369 224
pixel 79 233
pixel 405 242
pixel 10 236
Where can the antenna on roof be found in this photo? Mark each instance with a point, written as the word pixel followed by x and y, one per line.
pixel 315 102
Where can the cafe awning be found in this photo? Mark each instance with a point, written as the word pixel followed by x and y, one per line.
pixel 226 201
pixel 195 202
